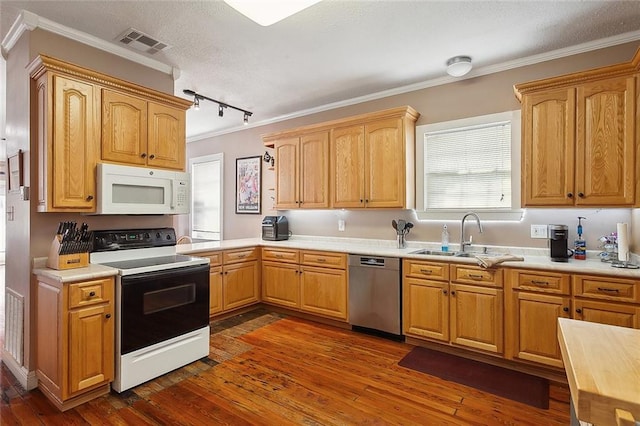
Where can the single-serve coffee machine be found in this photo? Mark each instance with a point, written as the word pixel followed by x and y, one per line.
pixel 558 240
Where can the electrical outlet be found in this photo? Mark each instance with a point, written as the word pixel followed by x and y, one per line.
pixel 340 224
pixel 538 231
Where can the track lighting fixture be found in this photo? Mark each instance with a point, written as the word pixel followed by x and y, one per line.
pixel 221 105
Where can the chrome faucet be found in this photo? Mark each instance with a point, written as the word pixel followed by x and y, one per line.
pixel 464 243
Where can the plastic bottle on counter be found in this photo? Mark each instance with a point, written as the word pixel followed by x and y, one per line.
pixel 580 246
pixel 445 239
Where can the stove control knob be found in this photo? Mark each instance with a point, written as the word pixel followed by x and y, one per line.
pixel 146 235
pixel 157 235
pixel 168 237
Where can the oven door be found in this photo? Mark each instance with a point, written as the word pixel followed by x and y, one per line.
pixel 156 306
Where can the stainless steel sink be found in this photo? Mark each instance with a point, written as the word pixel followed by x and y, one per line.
pixel 433 252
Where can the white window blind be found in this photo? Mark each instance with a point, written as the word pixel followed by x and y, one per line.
pixel 206 209
pixel 468 167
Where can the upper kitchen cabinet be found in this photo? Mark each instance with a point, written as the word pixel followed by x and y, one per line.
pixel 67 135
pixel 579 138
pixel 302 167
pixel 81 117
pixel 142 133
pixel 366 161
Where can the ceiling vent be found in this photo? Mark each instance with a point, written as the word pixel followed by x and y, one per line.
pixel 141 41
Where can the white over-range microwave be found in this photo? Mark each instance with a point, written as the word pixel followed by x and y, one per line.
pixel 140 190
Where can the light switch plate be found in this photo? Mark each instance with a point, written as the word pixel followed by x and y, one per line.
pixel 340 224
pixel 538 231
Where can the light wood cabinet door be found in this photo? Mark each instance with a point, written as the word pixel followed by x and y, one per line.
pixel 605 142
pixel 535 326
pixel 215 290
pixel 324 292
pixel 548 155
pixel 281 284
pixel 124 128
pixel 314 171
pixel 286 153
pixel 91 334
pixel 477 317
pixel 347 167
pixel 241 285
pixel 426 309
pixel 607 313
pixel 166 144
pixel 68 138
pixel 384 174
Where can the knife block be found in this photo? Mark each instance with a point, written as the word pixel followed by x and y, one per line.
pixel 65 261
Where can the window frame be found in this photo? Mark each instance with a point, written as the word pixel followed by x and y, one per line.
pixel 205 159
pixel 515 213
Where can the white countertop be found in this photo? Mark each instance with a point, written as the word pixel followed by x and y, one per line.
pixel 534 258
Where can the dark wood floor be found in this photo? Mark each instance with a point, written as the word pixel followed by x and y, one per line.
pixel 268 370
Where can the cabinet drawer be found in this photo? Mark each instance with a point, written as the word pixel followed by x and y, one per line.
pixel 324 259
pixel 476 275
pixel 544 282
pixel 241 255
pixel 606 288
pixel 280 255
pixel 89 293
pixel 430 270
pixel 215 258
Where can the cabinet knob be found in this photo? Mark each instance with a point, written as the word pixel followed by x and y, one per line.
pixel 92 293
pixel 366 200
pixel 107 316
pixel 581 194
pixel 143 155
pixel 579 310
pixel 89 197
pixel 361 201
pixel 565 309
pixel 453 292
pixel 444 291
pixel 570 195
pixel 151 157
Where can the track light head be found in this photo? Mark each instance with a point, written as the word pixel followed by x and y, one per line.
pixel 196 103
pixel 220 110
pixel 246 118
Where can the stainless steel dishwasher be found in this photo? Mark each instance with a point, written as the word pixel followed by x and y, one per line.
pixel 375 294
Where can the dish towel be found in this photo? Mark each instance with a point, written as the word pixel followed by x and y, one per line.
pixel 489 261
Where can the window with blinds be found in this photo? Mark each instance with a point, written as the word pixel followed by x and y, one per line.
pixel 468 168
pixel 471 164
pixel 206 200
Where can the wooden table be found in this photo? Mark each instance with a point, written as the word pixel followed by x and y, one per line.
pixel 603 368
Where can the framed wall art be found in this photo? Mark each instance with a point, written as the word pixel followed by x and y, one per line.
pixel 15 171
pixel 248 185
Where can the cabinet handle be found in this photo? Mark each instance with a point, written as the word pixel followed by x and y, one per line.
pixel 242 255
pixel 609 290
pixel 143 155
pixel 221 272
pixel 151 157
pixel 475 277
pixel 579 310
pixel 321 260
pixel 361 201
pixel 279 255
pixel 89 197
pixel 453 292
pixel 581 194
pixel 565 309
pixel 226 272
pixel 92 293
pixel 107 316
pixel 570 195
pixel 366 200
pixel 426 271
pixel 539 282
pixel 444 291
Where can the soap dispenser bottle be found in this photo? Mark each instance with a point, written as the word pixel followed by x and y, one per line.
pixel 580 247
pixel 445 239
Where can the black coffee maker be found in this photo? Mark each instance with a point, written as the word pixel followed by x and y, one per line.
pixel 558 242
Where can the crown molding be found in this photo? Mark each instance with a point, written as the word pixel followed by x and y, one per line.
pixel 27 21
pixel 492 69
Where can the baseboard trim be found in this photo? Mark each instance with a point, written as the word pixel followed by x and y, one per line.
pixel 26 378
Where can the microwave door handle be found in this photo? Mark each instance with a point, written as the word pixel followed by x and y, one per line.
pixel 174 194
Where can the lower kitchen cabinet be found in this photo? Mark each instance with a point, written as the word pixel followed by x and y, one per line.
pixel 240 285
pixel 607 300
pixel 607 313
pixel 306 280
pixel 215 290
pixel 454 312
pixel 74 339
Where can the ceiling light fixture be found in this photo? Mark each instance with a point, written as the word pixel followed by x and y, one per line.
pixel 267 12
pixel 459 66
pixel 221 105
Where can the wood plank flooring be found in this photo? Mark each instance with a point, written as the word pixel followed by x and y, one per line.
pixel 266 369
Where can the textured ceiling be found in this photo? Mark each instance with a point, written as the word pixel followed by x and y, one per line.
pixel 335 50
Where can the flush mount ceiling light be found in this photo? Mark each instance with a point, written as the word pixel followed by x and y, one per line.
pixel 267 12
pixel 458 66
